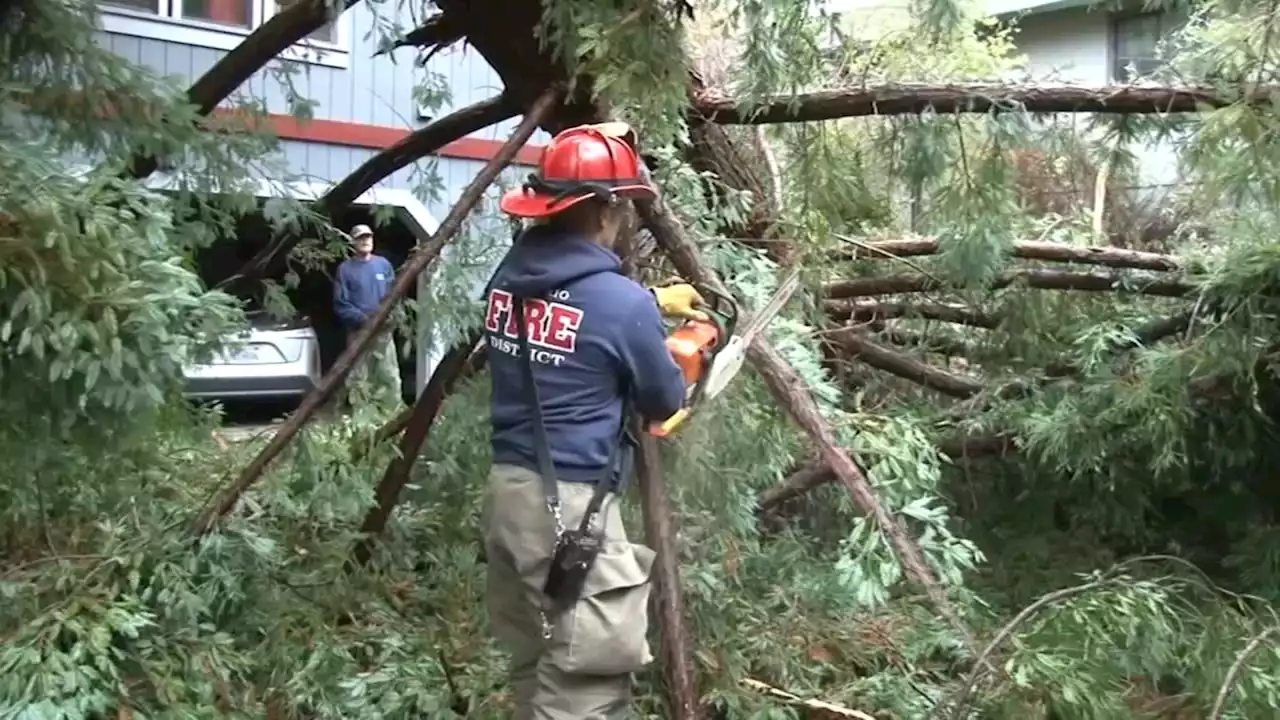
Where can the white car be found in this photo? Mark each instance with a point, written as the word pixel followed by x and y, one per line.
pixel 276 360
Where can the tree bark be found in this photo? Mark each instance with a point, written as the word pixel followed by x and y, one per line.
pixel 793 394
pixel 273 37
pixel 912 99
pixel 1051 252
pixel 660 534
pixel 421 258
pixel 459 363
pixel 420 143
pixel 903 366
pixel 868 311
pixel 1034 278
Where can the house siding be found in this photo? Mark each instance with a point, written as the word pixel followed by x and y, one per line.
pixel 373 90
pixel 1075 46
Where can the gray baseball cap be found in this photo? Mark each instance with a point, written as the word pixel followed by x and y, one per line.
pixel 360 231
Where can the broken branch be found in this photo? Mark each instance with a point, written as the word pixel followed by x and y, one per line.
pixel 418 261
pixel 1033 278
pixel 903 366
pixel 1050 252
pixel 456 365
pixel 438 32
pixel 913 99
pixel 868 311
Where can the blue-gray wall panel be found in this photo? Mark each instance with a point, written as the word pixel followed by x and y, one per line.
pixel 372 90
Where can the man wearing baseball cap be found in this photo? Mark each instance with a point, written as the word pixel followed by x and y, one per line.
pixel 363 281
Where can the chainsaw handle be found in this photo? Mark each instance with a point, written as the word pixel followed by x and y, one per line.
pixel 722 305
pixel 668 426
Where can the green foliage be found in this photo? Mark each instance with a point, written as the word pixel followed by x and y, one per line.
pixel 109 610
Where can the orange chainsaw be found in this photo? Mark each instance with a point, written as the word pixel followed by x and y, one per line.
pixel 711 352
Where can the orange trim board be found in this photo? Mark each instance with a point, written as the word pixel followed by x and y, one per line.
pixel 380 137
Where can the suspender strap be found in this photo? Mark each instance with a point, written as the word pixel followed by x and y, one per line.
pixel 542 449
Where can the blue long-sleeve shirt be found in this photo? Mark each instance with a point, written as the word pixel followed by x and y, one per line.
pixel 595 336
pixel 360 287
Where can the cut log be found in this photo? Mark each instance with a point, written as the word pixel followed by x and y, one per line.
pixel 421 142
pixel 912 99
pixel 870 311
pixel 795 397
pixel 456 365
pixel 661 535
pixel 1039 279
pixel 903 366
pixel 283 30
pixel 1050 252
pixel 421 258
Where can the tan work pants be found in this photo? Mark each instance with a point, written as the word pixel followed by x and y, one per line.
pixel 583 672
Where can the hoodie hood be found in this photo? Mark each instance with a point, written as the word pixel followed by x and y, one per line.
pixel 541 260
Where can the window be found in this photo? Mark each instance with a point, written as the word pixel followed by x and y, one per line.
pixel 219 24
pixel 1134 42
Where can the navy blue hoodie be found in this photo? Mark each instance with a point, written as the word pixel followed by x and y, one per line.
pixel 596 335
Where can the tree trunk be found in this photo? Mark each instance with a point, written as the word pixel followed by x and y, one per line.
pixel 912 99
pixel 661 535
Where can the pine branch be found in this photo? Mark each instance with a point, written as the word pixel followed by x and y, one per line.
pixel 870 311
pixel 912 99
pixel 458 364
pixel 1237 667
pixel 283 30
pixel 1033 278
pixel 420 143
pixel 1034 250
pixel 420 260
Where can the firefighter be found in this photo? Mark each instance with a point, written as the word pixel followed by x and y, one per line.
pixel 574 619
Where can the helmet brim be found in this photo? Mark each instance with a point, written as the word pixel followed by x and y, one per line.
pixel 529 204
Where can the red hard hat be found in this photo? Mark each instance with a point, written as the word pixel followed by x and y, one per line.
pixel 588 161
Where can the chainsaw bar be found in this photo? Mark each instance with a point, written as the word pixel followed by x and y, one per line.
pixel 761 320
pixel 730 359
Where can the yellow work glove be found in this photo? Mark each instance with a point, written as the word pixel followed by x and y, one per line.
pixel 679 301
